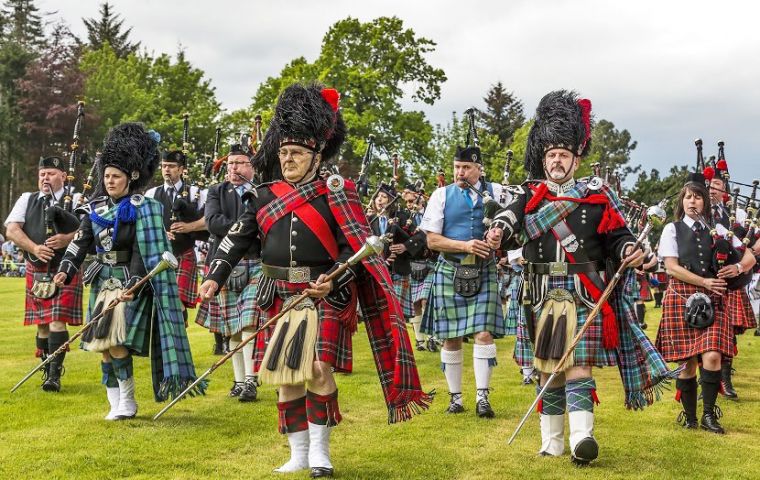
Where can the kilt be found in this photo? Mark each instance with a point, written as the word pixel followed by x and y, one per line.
pixel 65 306
pixel 209 315
pixel 645 292
pixel 403 287
pixel 449 315
pixel 677 341
pixel 739 310
pixel 187 279
pixel 513 309
pixel 421 289
pixel 333 335
pixel 231 307
pixel 588 353
pixel 663 278
pixel 138 313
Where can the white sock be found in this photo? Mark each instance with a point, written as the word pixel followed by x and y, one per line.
pixel 238 365
pixel 452 367
pixel 248 355
pixel 416 322
pixel 527 372
pixel 484 357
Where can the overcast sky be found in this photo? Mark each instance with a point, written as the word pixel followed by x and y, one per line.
pixel 667 71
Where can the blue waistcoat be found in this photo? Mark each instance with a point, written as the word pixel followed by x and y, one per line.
pixel 460 221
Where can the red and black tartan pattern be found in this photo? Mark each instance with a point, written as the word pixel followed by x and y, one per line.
pixel 323 409
pixel 187 279
pixel 65 306
pixel 676 341
pixel 292 416
pixel 739 310
pixel 333 337
pixel 645 292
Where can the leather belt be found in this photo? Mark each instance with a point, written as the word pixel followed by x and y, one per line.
pixel 564 268
pixel 113 257
pixel 451 258
pixel 294 274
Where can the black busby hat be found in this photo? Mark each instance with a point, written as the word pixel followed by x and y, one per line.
pixel 239 149
pixel 562 121
pixel 133 150
pixel 696 177
pixel 387 189
pixel 52 162
pixel 469 154
pixel 176 156
pixel 306 115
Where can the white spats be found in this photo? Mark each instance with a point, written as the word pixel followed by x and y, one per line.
pixel 451 361
pixel 299 453
pixel 582 444
pixel 238 363
pixel 319 446
pixel 484 357
pixel 113 400
pixel 127 405
pixel 552 435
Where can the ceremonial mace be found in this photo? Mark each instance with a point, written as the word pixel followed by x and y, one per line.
pixel 167 261
pixel 372 246
pixel 656 215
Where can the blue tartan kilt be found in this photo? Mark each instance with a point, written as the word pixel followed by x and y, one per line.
pixel 421 289
pixel 237 310
pixel 449 315
pixel 403 287
pixel 588 353
pixel 514 305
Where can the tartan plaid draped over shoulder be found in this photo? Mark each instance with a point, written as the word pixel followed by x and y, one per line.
pixel 383 316
pixel 171 361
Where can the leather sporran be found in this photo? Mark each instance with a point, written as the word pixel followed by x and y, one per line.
pixel 43 286
pixel 467 280
pixel 699 311
pixel 420 270
pixel 238 279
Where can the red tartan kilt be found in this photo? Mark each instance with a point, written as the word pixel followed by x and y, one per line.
pixel 740 311
pixel 187 279
pixel 663 278
pixel 334 336
pixel 645 292
pixel 676 341
pixel 65 306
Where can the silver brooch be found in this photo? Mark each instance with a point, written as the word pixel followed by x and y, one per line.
pixel 135 175
pixel 335 183
pixel 136 199
pixel 595 183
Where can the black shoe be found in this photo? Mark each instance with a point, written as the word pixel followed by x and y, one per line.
pixel 319 472
pixel 527 381
pixel 585 452
pixel 250 391
pixel 237 389
pixel 53 381
pixel 455 407
pixel 483 408
pixel 727 385
pixel 421 346
pixel 710 421
pixel 432 345
pixel 686 422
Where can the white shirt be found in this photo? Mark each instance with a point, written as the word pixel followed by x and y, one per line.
pixel 669 242
pixel 432 221
pixel 151 193
pixel 18 212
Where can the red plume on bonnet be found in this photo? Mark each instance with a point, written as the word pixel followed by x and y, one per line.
pixel 332 97
pixel 709 173
pixel 721 165
pixel 585 105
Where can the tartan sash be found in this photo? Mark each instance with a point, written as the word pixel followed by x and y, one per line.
pixel 294 200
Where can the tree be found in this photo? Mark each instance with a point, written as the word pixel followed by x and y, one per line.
pixel 612 148
pixel 372 65
pixel 21 40
pixel 503 115
pixel 108 29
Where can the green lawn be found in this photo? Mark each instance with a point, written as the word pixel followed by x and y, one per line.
pixel 44 435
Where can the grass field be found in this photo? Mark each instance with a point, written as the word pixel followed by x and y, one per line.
pixel 44 435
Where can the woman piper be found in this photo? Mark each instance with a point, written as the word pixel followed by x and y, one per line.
pixel 127 232
pixel 695 327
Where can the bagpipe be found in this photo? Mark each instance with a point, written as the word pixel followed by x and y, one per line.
pixel 64 219
pixel 185 209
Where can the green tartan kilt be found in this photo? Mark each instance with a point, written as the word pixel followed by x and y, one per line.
pixel 449 315
pixel 588 353
pixel 138 313
pixel 238 310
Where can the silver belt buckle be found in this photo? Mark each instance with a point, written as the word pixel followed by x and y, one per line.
pixel 299 274
pixel 569 243
pixel 111 284
pixel 109 258
pixel 558 268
